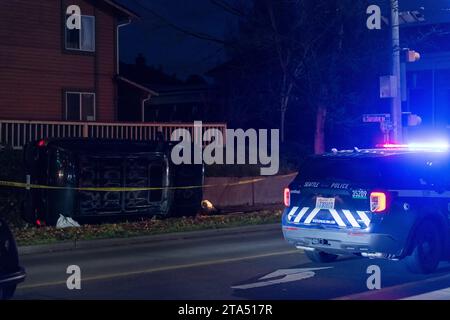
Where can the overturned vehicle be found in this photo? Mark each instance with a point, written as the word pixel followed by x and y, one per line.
pixel 95 180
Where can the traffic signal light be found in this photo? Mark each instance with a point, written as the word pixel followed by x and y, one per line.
pixel 412 56
pixel 411 120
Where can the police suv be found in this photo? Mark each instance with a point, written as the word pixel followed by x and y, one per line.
pixel 392 202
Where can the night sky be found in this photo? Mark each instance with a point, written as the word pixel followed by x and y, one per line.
pixel 183 54
pixel 177 52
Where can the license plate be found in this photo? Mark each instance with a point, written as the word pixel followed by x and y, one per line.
pixel 325 203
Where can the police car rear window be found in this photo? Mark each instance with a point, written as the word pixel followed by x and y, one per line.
pixel 348 170
pixel 380 172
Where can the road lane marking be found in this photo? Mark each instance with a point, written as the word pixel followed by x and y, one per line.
pixel 160 269
pixel 282 276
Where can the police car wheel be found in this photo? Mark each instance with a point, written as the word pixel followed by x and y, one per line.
pixel 320 256
pixel 427 250
pixel 7 292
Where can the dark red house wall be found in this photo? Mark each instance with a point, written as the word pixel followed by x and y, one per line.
pixel 35 69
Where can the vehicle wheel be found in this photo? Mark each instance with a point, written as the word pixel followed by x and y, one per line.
pixel 427 250
pixel 7 293
pixel 320 256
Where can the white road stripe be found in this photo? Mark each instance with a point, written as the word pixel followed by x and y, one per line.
pixel 312 215
pixel 281 276
pixel 364 217
pixel 291 213
pixel 443 294
pixel 337 218
pixel 351 219
pixel 301 214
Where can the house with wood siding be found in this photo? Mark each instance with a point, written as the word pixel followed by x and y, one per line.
pixel 61 82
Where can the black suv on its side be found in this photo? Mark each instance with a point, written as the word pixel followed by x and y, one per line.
pixel 10 272
pixel 75 170
pixel 376 203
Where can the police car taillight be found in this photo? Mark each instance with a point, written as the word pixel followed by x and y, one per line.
pixel 378 202
pixel 287 197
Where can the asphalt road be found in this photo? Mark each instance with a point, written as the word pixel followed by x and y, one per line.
pixel 225 266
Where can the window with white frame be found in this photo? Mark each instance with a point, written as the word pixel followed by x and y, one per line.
pixel 80 106
pixel 82 39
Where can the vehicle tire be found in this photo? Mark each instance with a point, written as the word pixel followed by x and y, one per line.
pixel 320 256
pixel 426 251
pixel 7 292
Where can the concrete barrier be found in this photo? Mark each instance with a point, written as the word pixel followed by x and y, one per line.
pixel 248 191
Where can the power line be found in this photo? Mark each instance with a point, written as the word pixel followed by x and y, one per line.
pixel 185 30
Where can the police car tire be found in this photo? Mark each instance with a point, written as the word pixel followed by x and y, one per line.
pixel 427 249
pixel 320 256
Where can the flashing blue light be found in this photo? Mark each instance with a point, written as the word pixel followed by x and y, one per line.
pixel 431 146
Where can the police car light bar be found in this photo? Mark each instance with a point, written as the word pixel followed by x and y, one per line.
pixel 437 146
pixel 392 146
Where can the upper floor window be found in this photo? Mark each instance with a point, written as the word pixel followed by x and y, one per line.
pixel 80 106
pixel 82 39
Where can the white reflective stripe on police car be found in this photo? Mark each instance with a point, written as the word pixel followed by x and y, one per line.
pixel 291 213
pixel 301 214
pixel 364 217
pixel 337 218
pixel 311 216
pixel 351 219
pixel 348 221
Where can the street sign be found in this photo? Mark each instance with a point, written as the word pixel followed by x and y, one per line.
pixel 407 17
pixel 377 118
pixel 415 16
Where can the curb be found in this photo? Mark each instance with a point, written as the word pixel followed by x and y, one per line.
pixel 117 242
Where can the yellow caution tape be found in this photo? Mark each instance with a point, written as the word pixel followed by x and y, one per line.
pixel 131 189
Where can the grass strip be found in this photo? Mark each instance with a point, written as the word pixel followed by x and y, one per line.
pixel 50 235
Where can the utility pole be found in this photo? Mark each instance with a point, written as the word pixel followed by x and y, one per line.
pixel 396 102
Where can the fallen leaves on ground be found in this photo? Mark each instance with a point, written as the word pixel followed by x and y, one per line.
pixel 47 235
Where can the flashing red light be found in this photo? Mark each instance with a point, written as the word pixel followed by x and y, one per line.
pixel 378 202
pixel 41 143
pixel 287 197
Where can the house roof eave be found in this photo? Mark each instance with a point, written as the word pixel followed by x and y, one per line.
pixel 137 85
